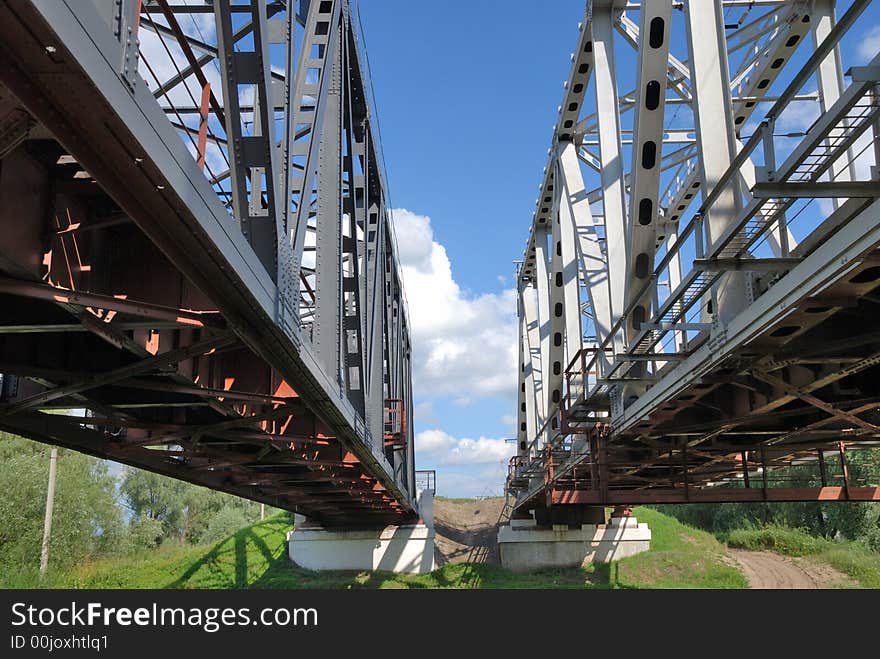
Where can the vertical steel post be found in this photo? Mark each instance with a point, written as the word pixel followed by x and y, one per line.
pixel 568 225
pixel 829 77
pixel 253 159
pixel 542 286
pixel 611 157
pixel 534 387
pixel 841 447
pixel 646 155
pixel 328 233
pixel 715 134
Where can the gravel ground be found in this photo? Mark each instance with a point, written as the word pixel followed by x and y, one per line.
pixel 467 532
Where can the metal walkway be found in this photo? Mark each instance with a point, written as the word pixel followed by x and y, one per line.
pixel 707 312
pixel 197 259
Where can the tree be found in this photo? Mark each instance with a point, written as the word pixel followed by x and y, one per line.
pixel 182 511
pixel 87 520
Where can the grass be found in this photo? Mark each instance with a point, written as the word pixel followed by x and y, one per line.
pixel 256 557
pixel 680 557
pixel 852 559
pixel 455 500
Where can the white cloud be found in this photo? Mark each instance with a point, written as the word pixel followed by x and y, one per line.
pixel 869 45
pixel 448 450
pixel 464 344
pixel 797 116
pixel 433 441
pixel 479 451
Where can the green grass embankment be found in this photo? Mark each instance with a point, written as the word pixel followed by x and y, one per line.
pixel 256 557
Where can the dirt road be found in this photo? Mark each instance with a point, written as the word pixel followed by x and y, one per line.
pixel 467 531
pixel 764 569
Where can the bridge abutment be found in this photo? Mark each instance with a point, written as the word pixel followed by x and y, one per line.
pixel 404 549
pixel 526 544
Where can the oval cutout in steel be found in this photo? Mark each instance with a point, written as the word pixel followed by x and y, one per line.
pixel 652 95
pixel 785 330
pixel 866 275
pixel 655 32
pixel 638 317
pixel 646 211
pixel 642 265
pixel 649 154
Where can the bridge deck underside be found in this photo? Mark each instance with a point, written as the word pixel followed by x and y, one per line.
pixel 118 300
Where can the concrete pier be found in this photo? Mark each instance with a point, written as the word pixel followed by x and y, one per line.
pixel 405 549
pixel 525 547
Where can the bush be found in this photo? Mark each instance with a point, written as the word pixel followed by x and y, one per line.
pixel 225 523
pixel 793 542
pixel 146 532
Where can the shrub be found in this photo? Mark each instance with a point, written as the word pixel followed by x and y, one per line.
pixel 794 542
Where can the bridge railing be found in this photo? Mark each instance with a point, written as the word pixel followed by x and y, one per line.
pixel 426 479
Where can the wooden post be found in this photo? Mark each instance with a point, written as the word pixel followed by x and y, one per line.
pixel 822 473
pixel 745 470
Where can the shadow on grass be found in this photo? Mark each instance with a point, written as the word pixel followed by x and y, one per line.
pixel 256 557
pixel 244 546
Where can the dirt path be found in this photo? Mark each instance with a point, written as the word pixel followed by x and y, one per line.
pixel 764 569
pixel 467 532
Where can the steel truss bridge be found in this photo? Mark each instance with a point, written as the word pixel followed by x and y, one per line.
pixel 698 296
pixel 197 264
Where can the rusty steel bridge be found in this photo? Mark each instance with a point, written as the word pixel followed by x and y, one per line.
pixel 698 295
pixel 197 265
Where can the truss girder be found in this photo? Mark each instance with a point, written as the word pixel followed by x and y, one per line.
pixel 268 196
pixel 682 311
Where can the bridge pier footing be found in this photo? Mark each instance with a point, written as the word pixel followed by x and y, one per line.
pixel 525 546
pixel 404 549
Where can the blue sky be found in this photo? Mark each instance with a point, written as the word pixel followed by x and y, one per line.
pixel 467 94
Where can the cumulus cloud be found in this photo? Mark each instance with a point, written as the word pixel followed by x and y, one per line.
pixel 478 451
pixel 869 45
pixel 434 441
pixel 464 344
pixel 449 450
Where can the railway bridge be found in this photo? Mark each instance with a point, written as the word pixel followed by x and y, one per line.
pixel 698 297
pixel 197 262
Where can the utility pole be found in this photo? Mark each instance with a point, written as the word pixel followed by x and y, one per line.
pixel 50 502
